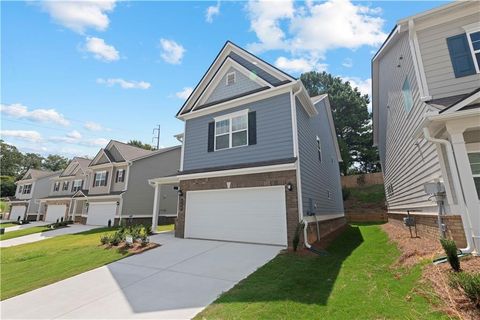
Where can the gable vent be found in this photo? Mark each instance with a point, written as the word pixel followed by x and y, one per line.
pixel 230 78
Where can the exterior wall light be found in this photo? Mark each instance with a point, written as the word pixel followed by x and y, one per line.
pixel 289 186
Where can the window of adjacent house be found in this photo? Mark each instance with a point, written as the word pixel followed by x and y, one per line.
pixel 20 189
pixel 100 179
pixel 231 131
pixel 231 77
pixel 27 189
pixel 65 185
pixel 407 95
pixel 120 175
pixel 474 158
pixel 319 148
pixel 56 186
pixel 474 42
pixel 77 185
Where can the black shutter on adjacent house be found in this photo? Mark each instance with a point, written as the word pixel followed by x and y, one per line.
pixel 116 176
pixel 106 179
pixel 460 55
pixel 211 136
pixel 94 178
pixel 252 127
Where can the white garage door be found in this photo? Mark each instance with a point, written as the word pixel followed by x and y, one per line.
pixel 100 213
pixel 17 211
pixel 55 212
pixel 255 215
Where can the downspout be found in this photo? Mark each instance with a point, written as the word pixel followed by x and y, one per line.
pixel 305 226
pixel 467 224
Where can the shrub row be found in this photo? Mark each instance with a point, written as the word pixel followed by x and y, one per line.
pixel 139 233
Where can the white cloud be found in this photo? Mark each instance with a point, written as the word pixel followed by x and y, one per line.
pixel 211 12
pixel 98 142
pixel 74 135
pixel 29 135
pixel 347 63
pixel 80 15
pixel 93 126
pixel 299 65
pixel 124 83
pixel 172 52
pixel 185 93
pixel 101 50
pixel 76 141
pixel 363 85
pixel 309 31
pixel 20 111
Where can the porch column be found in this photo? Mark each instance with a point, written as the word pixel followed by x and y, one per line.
pixel 156 207
pixel 466 179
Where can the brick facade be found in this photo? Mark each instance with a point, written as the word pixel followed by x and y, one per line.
pixel 278 178
pixel 325 228
pixel 427 226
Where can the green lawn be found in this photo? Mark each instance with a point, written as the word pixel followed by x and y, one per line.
pixel 4 207
pixel 356 281
pixel 369 194
pixel 7 224
pixel 22 232
pixel 34 265
pixel 167 227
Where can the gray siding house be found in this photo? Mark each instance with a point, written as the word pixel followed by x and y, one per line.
pixel 259 156
pixel 34 185
pixel 426 118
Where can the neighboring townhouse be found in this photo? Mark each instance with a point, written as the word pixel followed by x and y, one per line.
pixel 258 156
pixel 59 204
pixel 426 118
pixel 116 186
pixel 34 185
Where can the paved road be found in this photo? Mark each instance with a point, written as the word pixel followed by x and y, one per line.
pixel 174 281
pixel 73 228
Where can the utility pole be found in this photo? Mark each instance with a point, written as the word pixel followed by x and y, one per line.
pixel 157 137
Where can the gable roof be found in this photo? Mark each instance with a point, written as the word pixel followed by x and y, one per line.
pixel 117 152
pixel 231 52
pixel 33 174
pixel 77 163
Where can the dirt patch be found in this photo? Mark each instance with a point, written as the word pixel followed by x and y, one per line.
pixel 135 248
pixel 414 250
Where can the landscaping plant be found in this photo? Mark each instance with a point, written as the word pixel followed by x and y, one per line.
pixel 452 253
pixel 469 283
pixel 116 239
pixel 105 238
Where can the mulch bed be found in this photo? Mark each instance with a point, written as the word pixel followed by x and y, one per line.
pixel 135 248
pixel 414 250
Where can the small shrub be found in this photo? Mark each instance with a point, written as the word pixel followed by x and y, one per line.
pixel 452 253
pixel 469 283
pixel 345 194
pixel 116 238
pixel 105 239
pixel 134 231
pixel 296 237
pixel 148 229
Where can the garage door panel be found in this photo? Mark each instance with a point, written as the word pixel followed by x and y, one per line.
pixel 100 213
pixel 255 215
pixel 55 212
pixel 17 211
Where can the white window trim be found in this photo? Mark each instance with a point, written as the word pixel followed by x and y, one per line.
pixel 230 133
pixel 56 186
pixel 234 78
pixel 97 175
pixel 75 185
pixel 469 29
pixel 65 185
pixel 122 171
pixel 319 148
pixel 25 188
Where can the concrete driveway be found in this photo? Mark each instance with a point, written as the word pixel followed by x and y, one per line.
pixel 27 226
pixel 174 281
pixel 72 228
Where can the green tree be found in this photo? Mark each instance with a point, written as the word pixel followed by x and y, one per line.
pixel 10 160
pixel 351 117
pixel 7 186
pixel 31 161
pixel 140 144
pixel 55 162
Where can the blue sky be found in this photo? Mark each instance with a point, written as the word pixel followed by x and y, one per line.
pixel 75 75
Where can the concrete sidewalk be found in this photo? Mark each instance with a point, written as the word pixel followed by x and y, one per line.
pixel 174 281
pixel 72 228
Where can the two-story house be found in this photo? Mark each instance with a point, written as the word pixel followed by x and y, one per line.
pixel 258 156
pixel 34 185
pixel 116 186
pixel 59 204
pixel 426 119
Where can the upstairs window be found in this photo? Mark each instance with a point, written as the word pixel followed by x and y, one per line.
pixel 407 95
pixel 230 79
pixel 319 149
pixel 120 177
pixel 65 185
pixel 474 158
pixel 474 41
pixel 231 131
pixel 27 189
pixel 100 179
pixel 20 189
pixel 56 186
pixel 77 185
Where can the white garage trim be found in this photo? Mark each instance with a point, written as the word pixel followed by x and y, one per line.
pixel 256 215
pixel 54 212
pixel 100 212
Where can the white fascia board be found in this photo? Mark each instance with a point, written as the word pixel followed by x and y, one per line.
pixel 332 128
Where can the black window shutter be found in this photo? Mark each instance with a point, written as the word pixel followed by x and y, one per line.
pixel 116 176
pixel 106 179
pixel 252 127
pixel 94 178
pixel 211 136
pixel 81 185
pixel 460 55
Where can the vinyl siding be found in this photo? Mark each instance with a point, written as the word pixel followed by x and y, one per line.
pixel 436 59
pixel 274 136
pixel 138 199
pixel 41 189
pixel 242 84
pixel 405 165
pixel 118 186
pixel 100 189
pixel 318 178
pixel 60 192
pixel 255 69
